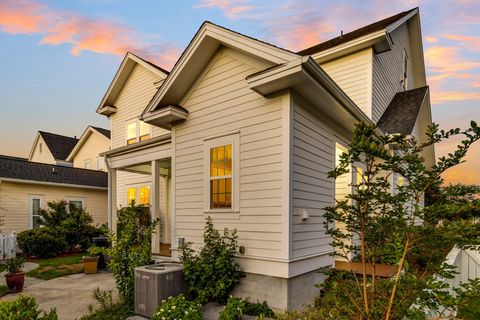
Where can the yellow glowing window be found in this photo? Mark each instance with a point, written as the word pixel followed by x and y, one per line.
pixel 131 132
pixel 221 177
pixel 144 195
pixel 360 179
pixel 401 181
pixel 131 195
pixel 144 131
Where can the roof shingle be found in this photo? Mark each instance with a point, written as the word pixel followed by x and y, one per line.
pixel 19 168
pixel 374 27
pixel 402 112
pixel 103 131
pixel 60 146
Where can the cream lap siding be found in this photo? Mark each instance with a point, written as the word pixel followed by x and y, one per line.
pixel 14 202
pixel 313 157
pixel 136 94
pixel 388 71
pixel 221 102
pixel 352 73
pixel 43 157
pixel 90 150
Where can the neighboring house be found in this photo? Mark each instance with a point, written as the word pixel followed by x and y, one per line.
pixel 52 148
pixel 54 171
pixel 86 153
pixel 245 132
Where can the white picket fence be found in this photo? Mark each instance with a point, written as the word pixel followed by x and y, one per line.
pixel 8 245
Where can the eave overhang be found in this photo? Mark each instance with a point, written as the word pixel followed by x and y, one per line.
pixel 107 110
pixel 307 78
pixel 165 117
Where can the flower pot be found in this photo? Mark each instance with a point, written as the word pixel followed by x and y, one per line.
pixel 90 265
pixel 15 281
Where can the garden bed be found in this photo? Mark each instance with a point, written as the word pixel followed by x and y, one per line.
pixel 57 267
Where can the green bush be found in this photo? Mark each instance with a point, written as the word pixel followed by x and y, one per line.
pixel 132 248
pixel 65 227
pixel 175 308
pixel 24 307
pixel 43 242
pixel 107 308
pixel 15 265
pixel 212 273
pixel 236 308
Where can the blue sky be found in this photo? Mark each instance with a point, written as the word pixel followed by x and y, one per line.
pixel 58 57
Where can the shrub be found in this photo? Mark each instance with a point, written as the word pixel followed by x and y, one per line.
pixel 15 265
pixel 212 273
pixel 236 308
pixel 107 308
pixel 132 248
pixel 42 242
pixel 24 307
pixel 178 308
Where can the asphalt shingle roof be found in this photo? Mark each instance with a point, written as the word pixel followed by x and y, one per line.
pixel 60 146
pixel 374 27
pixel 19 168
pixel 103 131
pixel 402 112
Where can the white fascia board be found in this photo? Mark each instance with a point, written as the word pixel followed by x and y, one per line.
pixel 54 184
pixel 401 21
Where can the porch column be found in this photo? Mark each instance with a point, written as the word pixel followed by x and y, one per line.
pixel 112 199
pixel 155 204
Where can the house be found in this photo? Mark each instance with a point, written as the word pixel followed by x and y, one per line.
pixel 245 132
pixel 55 170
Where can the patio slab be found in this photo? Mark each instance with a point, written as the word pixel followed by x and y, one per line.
pixel 71 294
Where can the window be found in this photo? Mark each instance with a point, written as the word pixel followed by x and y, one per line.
pixel 405 70
pixel 35 204
pixel 221 174
pixel 77 202
pixel 99 163
pixel 140 194
pixel 221 177
pixel 138 131
pixel 87 164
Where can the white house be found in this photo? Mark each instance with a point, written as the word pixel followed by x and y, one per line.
pixel 245 132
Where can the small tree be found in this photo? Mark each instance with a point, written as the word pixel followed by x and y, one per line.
pixel 384 227
pixel 131 248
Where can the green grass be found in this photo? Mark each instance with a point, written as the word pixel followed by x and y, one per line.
pixel 3 290
pixel 57 267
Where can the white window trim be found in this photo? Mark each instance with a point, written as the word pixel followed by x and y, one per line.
pixel 83 200
pixel 100 160
pixel 30 207
pixel 234 140
pixel 137 127
pixel 137 186
pixel 85 162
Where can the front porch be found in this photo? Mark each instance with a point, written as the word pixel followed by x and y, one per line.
pixel 142 172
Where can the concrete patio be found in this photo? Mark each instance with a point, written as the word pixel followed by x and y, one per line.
pixel 71 294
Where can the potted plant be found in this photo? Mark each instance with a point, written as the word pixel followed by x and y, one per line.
pixel 15 277
pixel 90 263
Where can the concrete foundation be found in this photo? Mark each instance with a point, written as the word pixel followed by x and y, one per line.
pixel 280 293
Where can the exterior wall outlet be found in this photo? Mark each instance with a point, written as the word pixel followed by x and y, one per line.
pixel 181 241
pixel 241 249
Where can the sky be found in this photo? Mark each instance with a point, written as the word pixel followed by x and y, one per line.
pixel 58 57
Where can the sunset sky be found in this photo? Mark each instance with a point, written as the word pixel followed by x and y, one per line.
pixel 58 57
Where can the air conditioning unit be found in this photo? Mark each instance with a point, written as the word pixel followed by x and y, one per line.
pixel 157 282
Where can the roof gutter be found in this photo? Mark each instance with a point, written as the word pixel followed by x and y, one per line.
pixel 53 184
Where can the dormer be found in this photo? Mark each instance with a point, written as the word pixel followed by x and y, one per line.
pixel 52 148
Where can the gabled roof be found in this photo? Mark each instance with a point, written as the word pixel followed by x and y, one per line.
pixel 198 53
pixel 104 133
pixel 22 170
pixel 129 62
pixel 402 112
pixel 371 28
pixel 59 146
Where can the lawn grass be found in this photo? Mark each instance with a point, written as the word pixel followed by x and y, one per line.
pixel 57 267
pixel 3 290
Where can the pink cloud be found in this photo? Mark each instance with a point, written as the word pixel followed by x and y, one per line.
pixel 56 27
pixel 230 8
pixel 472 42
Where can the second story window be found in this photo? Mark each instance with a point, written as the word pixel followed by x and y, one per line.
pixel 137 131
pixel 87 164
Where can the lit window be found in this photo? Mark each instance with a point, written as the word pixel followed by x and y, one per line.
pixel 144 131
pixel 131 195
pixel 87 164
pixel 131 132
pixel 144 195
pixel 221 177
pixel 400 181
pixel 360 179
